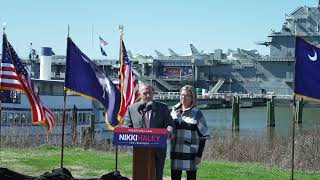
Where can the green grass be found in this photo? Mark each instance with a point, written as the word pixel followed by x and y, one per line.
pixel 91 163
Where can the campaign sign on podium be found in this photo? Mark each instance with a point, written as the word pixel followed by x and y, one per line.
pixel 143 141
pixel 140 137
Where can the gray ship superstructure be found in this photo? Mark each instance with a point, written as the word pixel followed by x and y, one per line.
pixel 279 66
pixel 233 71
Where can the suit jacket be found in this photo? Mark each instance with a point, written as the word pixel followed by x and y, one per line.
pixel 160 116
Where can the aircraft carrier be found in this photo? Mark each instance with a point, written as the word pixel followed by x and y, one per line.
pixel 232 71
pixel 239 70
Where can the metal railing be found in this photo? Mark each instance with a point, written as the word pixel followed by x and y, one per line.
pixel 175 95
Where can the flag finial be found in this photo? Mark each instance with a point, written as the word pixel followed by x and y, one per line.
pixel 4 26
pixel 68 30
pixel 121 28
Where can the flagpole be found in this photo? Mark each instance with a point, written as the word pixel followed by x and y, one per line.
pixel 63 117
pixel 293 123
pixel 0 121
pixel 1 110
pixel 4 31
pixel 121 37
pixel 293 117
pixel 62 128
pixel 293 136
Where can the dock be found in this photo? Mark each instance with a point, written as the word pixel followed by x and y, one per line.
pixel 223 100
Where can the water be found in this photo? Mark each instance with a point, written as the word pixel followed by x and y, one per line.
pixel 254 120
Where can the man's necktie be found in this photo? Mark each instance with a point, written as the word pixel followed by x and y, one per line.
pixel 147 119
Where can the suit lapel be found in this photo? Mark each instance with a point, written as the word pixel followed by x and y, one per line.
pixel 139 116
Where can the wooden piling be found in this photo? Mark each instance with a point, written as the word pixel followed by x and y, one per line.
pixel 270 134
pixel 299 110
pixel 270 113
pixel 235 113
pixel 74 125
pixel 85 137
pixel 92 120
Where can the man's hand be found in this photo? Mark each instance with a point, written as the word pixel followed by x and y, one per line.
pixel 197 160
pixel 172 136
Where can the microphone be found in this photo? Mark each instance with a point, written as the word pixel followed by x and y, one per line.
pixel 141 107
pixel 148 106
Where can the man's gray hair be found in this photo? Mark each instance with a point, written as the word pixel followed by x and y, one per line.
pixel 141 84
pixel 145 84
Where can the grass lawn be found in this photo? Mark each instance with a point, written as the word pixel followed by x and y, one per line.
pixel 91 163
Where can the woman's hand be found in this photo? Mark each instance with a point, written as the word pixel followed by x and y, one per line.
pixel 172 136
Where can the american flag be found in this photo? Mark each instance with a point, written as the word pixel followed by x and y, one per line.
pixel 14 76
pixel 128 85
pixel 50 119
pixel 103 42
pixel 102 51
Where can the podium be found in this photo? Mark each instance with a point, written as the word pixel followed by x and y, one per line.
pixel 143 141
pixel 143 165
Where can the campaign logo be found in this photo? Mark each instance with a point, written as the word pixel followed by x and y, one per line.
pixel 144 137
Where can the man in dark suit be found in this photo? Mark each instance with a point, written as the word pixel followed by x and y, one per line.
pixel 157 116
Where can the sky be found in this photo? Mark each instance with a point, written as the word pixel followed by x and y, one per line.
pixel 148 24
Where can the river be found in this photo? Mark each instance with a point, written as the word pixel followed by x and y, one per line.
pixel 253 120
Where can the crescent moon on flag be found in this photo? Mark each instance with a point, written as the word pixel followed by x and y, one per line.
pixel 86 60
pixel 314 57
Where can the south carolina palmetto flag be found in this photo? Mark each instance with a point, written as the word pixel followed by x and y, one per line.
pixel 307 70
pixel 85 78
pixel 14 76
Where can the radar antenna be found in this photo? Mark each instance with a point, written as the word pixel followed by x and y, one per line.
pixel 33 54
